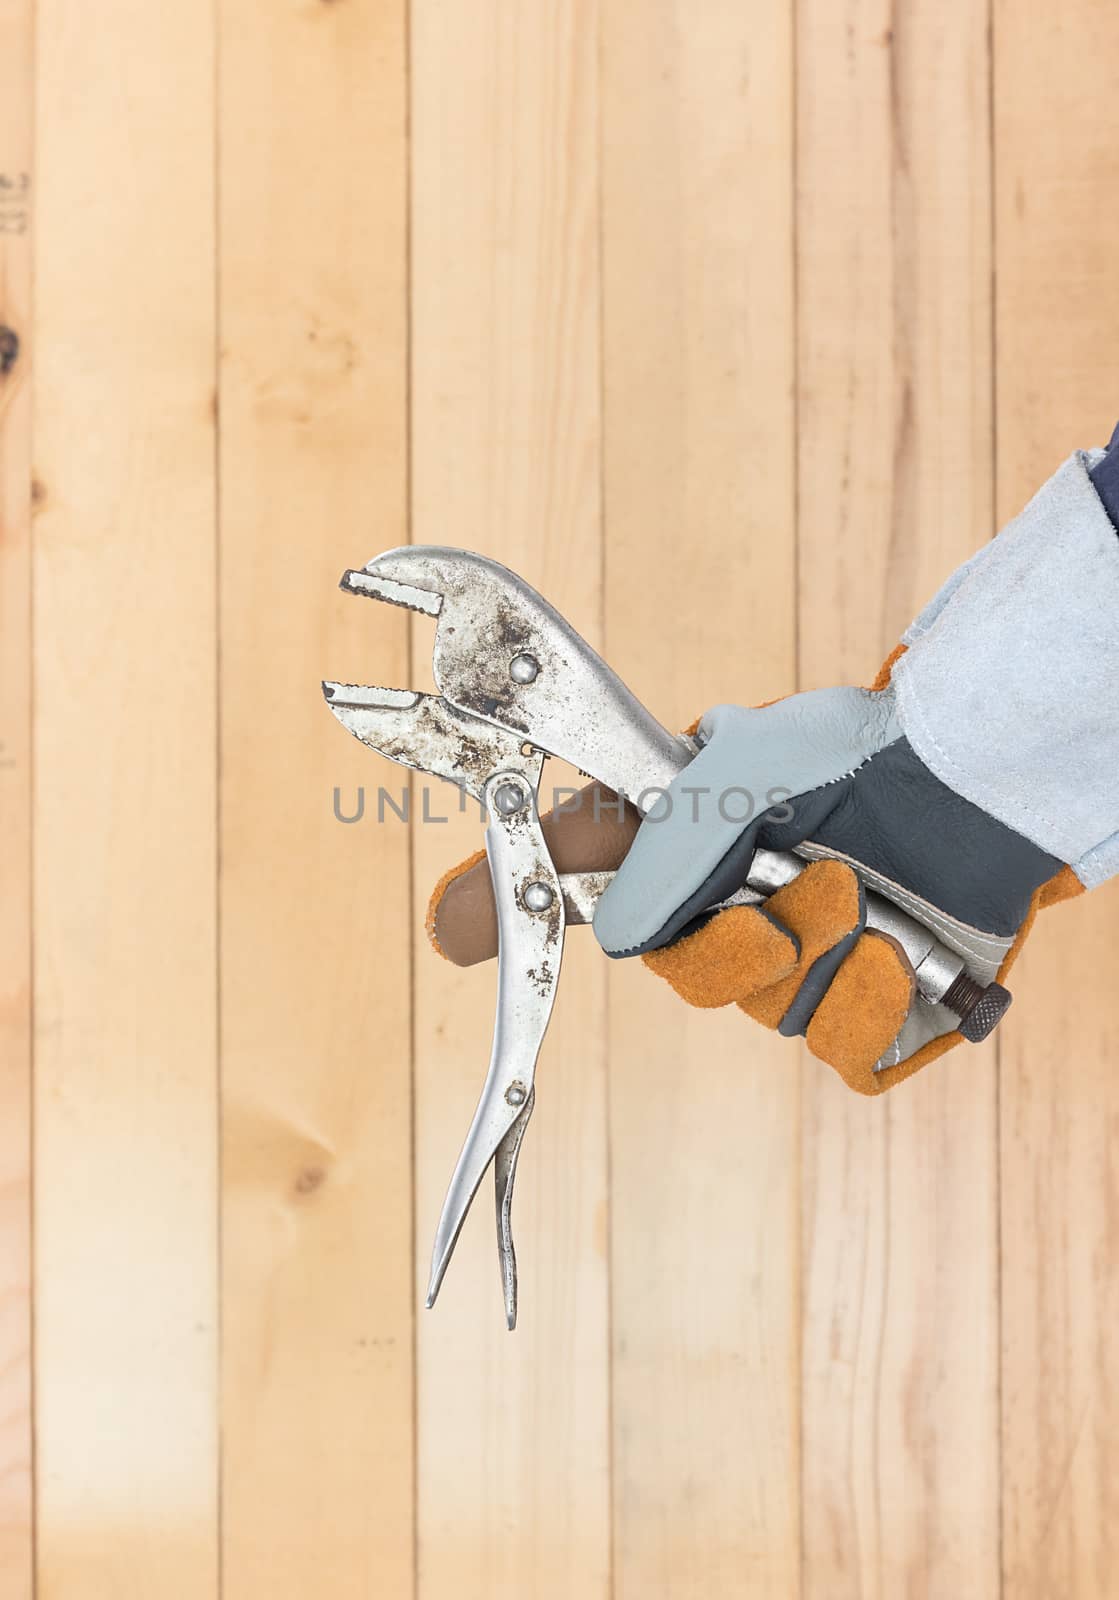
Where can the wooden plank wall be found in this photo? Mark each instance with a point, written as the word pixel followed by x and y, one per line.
pixel 734 327
pixel 125 857
pixel 895 450
pixel 513 1433
pixel 16 202
pixel 699 498
pixel 314 974
pixel 1059 1195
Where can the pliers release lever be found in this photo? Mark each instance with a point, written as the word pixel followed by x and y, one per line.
pixel 518 684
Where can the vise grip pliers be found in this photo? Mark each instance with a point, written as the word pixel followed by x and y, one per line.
pixel 518 684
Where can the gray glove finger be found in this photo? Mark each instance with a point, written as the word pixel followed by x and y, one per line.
pixel 694 847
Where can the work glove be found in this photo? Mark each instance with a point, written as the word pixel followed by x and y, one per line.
pixel 976 782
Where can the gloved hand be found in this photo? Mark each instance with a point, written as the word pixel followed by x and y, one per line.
pixel 845 779
pixel 976 782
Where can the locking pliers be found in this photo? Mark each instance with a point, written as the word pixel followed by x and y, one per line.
pixel 518 684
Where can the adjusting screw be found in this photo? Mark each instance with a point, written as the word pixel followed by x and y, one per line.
pixel 979 1009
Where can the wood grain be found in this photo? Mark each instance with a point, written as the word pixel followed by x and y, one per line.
pixel 1057 157
pixel 513 1431
pixel 900 1339
pixel 699 593
pixel 125 843
pixel 16 163
pixel 316 1195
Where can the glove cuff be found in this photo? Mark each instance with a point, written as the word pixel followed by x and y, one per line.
pixel 1009 688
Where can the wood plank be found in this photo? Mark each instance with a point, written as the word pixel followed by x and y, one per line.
pixel 16 115
pixel 895 488
pixel 700 596
pixel 513 1429
pixel 316 1196
pixel 125 844
pixel 1057 153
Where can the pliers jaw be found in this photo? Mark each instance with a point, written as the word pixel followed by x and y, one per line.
pixel 425 732
pixel 376 587
pixel 503 654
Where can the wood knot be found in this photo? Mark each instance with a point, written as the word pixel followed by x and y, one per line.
pixel 9 349
pixel 310 1179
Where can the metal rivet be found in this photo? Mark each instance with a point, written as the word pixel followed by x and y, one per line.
pixel 523 668
pixel 538 896
pixel 508 798
pixel 516 1094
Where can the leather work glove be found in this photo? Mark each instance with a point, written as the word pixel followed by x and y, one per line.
pixel 976 782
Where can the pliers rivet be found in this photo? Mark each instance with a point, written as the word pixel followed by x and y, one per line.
pixel 508 798
pixel 516 1094
pixel 523 668
pixel 537 896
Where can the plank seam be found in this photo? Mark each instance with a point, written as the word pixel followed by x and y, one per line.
pixel 993 426
pixel 603 569
pixel 31 815
pixel 219 1084
pixel 409 653
pixel 805 1066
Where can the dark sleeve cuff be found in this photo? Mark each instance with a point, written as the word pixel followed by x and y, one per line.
pixel 1105 479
